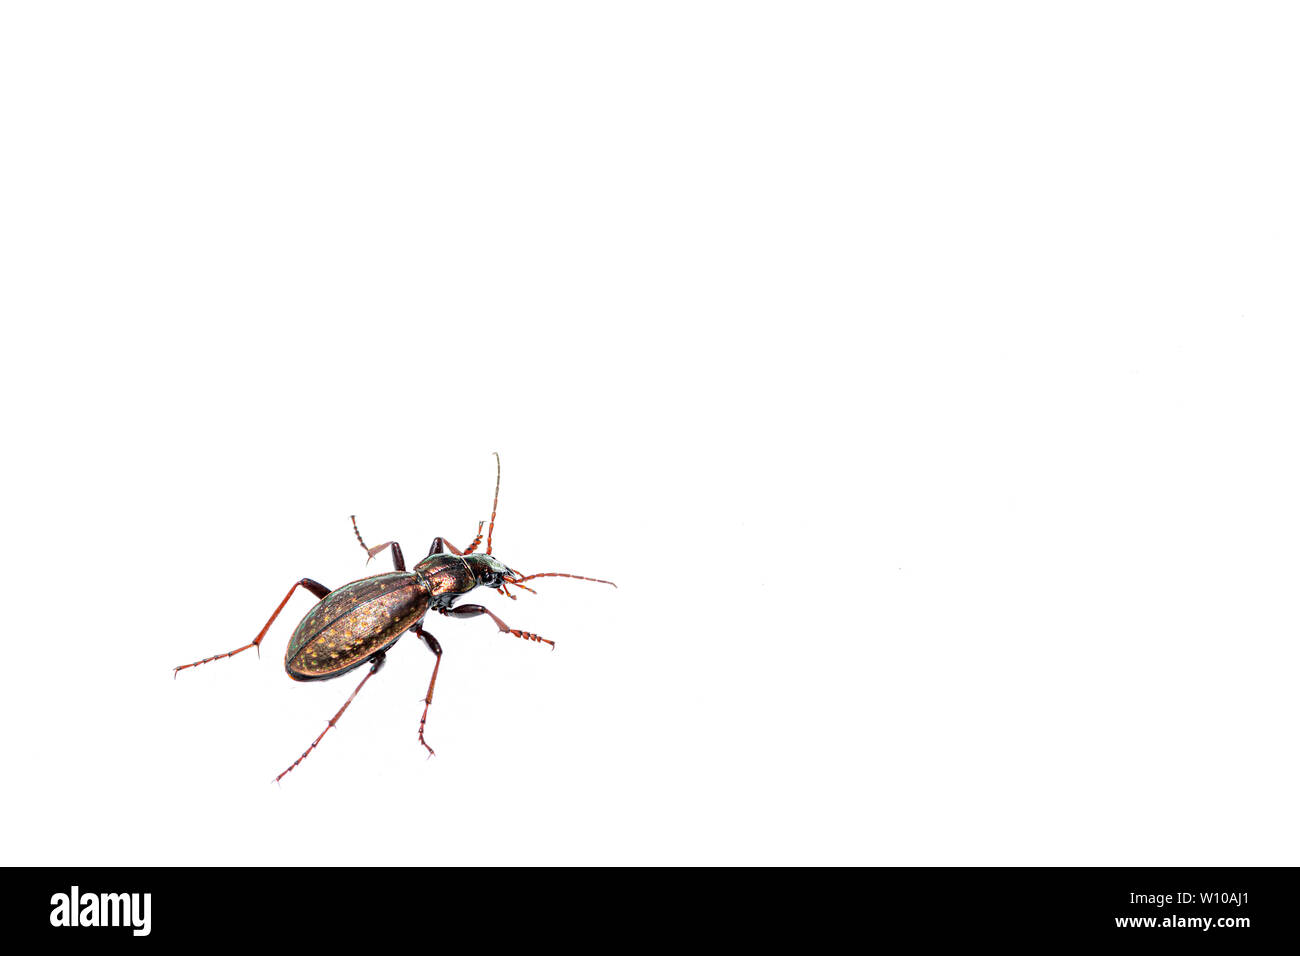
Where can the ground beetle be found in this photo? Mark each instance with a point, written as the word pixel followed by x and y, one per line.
pixel 359 622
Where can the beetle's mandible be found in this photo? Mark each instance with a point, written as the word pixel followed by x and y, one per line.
pixel 357 623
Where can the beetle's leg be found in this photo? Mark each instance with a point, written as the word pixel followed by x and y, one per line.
pixel 474 610
pixel 477 540
pixel 441 544
pixel 399 562
pixel 379 662
pixel 428 698
pixel 315 587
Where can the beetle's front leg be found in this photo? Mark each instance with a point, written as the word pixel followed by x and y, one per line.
pixel 478 539
pixel 315 587
pixel 399 562
pixel 474 610
pixel 441 544
pixel 428 698
pixel 495 495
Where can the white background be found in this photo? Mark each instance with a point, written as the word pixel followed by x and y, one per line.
pixel 924 374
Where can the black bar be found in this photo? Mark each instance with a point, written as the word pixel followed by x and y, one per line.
pixel 1236 907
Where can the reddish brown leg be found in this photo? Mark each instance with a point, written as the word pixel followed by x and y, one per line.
pixel 441 544
pixel 478 539
pixel 428 698
pixel 378 663
pixel 315 587
pixel 399 562
pixel 474 610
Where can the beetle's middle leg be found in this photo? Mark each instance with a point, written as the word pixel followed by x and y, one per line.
pixel 399 562
pixel 428 698
pixel 474 610
pixel 315 587
pixel 378 663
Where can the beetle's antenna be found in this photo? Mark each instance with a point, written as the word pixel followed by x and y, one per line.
pixel 557 574
pixel 496 494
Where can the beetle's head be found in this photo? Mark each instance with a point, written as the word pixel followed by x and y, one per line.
pixel 488 571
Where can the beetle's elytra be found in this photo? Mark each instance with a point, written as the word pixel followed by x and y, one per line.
pixel 357 623
pixel 354 623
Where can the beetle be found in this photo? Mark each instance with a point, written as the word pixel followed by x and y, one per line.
pixel 358 623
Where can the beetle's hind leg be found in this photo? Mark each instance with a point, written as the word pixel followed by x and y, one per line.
pixel 315 587
pixel 378 663
pixel 428 698
pixel 399 562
